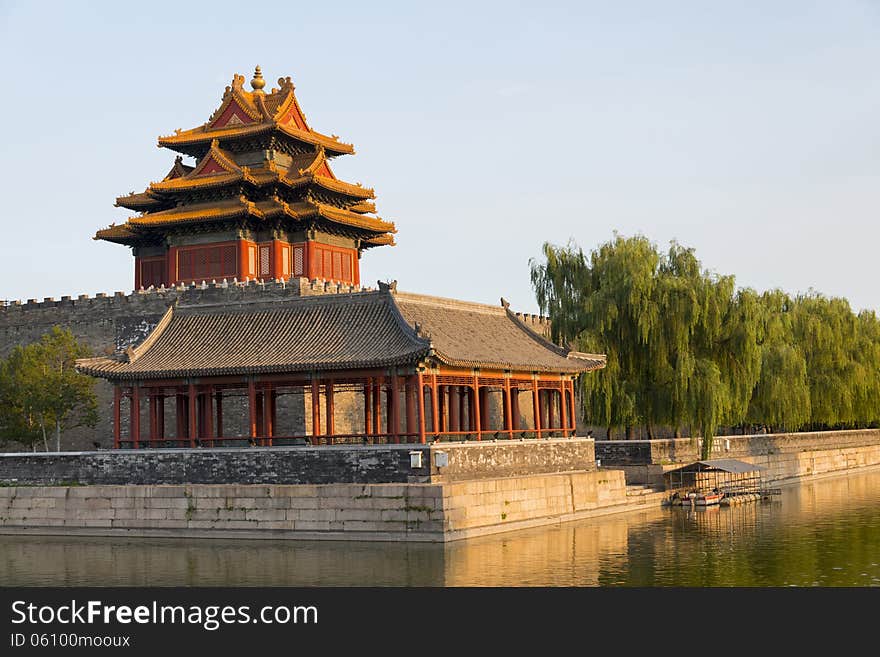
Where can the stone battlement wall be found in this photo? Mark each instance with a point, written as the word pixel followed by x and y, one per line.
pixel 300 465
pixel 107 323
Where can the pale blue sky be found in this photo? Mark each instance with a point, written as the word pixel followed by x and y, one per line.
pixel 746 130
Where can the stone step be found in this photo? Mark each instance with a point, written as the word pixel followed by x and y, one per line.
pixel 633 490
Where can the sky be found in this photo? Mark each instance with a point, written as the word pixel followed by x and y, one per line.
pixel 748 131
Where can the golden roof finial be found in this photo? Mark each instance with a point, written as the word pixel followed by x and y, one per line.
pixel 258 82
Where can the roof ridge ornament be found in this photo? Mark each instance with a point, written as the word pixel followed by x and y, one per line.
pixel 258 82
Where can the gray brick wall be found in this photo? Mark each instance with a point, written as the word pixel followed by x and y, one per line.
pixel 370 464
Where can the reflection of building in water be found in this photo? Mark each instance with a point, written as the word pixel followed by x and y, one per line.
pixel 741 520
pixel 569 554
pixel 49 560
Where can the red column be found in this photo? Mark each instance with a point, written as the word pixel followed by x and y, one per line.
pixel 171 276
pixel 252 407
pixel 475 406
pixel 563 410
pixel 441 408
pixel 243 246
pixel 277 259
pixel 192 415
pixel 508 421
pixel 377 406
pixel 136 415
pixel 420 398
pixel 435 405
pixel 330 412
pixel 571 406
pixel 368 405
pixel 137 273
pixel 117 415
pixel 410 407
pixel 316 411
pixel 514 407
pixel 395 408
pixel 536 405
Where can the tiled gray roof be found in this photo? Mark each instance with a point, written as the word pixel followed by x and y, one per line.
pixel 337 332
pixel 467 334
pixel 327 332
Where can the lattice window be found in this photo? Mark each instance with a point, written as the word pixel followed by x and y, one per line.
pixel 346 268
pixel 298 268
pixel 152 272
pixel 228 266
pixel 327 264
pixel 252 257
pixel 206 263
pixel 337 265
pixel 264 261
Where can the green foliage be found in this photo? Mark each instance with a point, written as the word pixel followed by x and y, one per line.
pixel 686 348
pixel 41 392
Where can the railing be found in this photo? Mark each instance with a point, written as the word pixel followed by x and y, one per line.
pixel 305 440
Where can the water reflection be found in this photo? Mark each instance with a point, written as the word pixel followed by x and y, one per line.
pixel 820 533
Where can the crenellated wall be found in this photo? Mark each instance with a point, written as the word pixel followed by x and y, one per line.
pixel 107 323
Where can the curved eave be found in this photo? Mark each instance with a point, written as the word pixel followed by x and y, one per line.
pixel 378 240
pixel 354 219
pixel 116 234
pixel 562 368
pixel 170 217
pixel 115 370
pixel 140 202
pixel 208 181
pixel 201 136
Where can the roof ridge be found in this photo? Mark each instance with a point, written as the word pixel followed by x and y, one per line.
pixel 258 304
pixel 446 302
pixel 133 353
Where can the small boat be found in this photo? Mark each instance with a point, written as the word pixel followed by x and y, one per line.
pixel 702 499
pixel 707 499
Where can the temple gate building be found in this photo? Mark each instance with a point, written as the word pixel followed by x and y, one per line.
pixel 334 362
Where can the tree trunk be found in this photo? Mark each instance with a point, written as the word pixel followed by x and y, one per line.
pixel 57 436
pixel 677 433
pixel 629 432
pixel 649 432
pixel 608 434
pixel 45 439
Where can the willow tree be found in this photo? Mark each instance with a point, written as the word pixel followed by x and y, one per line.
pixel 603 305
pixel 824 329
pixel 680 343
pixel 685 347
pixel 781 396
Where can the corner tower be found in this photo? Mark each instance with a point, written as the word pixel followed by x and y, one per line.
pixel 259 200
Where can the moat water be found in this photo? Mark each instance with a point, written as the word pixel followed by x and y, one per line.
pixel 824 532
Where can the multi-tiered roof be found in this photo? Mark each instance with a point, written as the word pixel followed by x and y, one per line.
pixel 258 166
